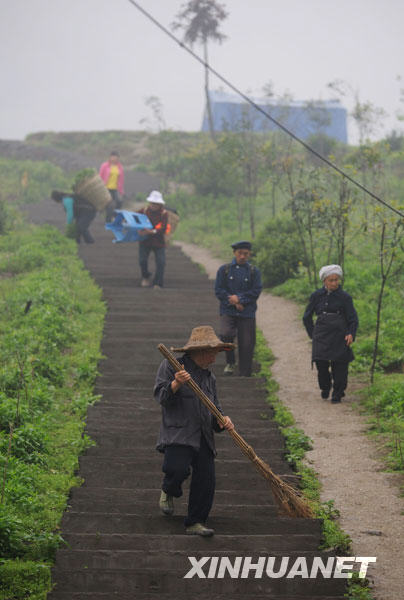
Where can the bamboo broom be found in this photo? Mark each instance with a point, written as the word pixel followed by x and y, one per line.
pixel 288 500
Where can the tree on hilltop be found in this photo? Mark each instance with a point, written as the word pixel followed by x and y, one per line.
pixel 200 20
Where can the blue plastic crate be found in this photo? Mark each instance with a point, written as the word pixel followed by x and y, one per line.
pixel 127 224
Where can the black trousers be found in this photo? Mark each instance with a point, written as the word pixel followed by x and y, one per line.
pixel 337 378
pixel 244 328
pixel 177 464
pixel 83 219
pixel 160 258
pixel 115 203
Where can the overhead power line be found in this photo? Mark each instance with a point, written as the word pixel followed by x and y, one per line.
pixel 261 110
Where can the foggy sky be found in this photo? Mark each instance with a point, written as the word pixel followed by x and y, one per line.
pixel 90 64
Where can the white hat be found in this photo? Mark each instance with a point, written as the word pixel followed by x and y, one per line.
pixel 330 270
pixel 155 197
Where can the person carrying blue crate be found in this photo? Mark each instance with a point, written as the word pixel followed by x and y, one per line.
pixel 154 241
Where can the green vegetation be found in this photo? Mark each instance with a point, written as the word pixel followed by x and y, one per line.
pixel 82 175
pixel 26 181
pixel 297 443
pixel 384 403
pixel 300 216
pixel 51 323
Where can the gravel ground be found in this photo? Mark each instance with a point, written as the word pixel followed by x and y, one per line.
pixel 347 462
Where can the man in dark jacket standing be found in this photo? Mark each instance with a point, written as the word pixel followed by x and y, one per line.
pixel 186 433
pixel 238 285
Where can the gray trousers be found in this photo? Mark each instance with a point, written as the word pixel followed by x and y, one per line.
pixel 244 328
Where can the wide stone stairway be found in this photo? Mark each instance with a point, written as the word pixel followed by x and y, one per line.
pixel 119 544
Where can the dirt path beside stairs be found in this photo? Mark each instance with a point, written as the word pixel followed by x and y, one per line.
pixel 345 459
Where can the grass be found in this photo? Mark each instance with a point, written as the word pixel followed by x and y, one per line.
pixel 51 322
pixel 297 443
pixel 28 181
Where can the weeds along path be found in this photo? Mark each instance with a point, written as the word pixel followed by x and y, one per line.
pixel 347 461
pixel 120 545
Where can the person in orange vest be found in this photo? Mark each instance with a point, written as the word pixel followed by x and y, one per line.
pixel 154 240
pixel 111 172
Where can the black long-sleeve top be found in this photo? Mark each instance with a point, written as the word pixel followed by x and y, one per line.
pixel 337 301
pixel 184 417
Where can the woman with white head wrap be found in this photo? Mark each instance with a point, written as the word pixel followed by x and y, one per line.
pixel 330 270
pixel 333 332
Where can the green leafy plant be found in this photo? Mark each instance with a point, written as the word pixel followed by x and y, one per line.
pixel 51 319
pixel 82 175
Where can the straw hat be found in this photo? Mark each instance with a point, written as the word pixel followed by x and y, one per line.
pixel 155 197
pixel 204 338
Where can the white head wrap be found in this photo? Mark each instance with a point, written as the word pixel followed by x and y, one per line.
pixel 330 270
pixel 155 197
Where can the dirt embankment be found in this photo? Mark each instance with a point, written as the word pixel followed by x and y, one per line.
pixel 136 183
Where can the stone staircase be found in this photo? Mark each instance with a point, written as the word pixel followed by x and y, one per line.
pixel 119 545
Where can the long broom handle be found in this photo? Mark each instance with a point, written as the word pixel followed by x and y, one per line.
pixel 246 448
pixel 286 497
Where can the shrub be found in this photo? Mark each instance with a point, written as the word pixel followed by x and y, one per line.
pixel 278 251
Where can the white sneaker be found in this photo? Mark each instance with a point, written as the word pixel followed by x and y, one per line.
pixel 229 369
pixel 166 504
pixel 145 283
pixel 199 529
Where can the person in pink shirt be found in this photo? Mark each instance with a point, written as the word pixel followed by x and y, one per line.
pixel 111 172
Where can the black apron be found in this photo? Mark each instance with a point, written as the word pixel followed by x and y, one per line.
pixel 329 339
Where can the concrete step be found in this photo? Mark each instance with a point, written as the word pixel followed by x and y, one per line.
pixel 132 495
pixel 120 545
pixel 124 437
pixel 85 522
pixel 248 544
pixel 179 596
pixel 143 419
pixel 226 452
pixel 70 560
pixel 126 477
pixel 149 508
pixel 126 466
pixel 131 402
pixel 169 581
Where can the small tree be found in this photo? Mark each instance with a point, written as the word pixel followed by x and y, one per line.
pixel 157 122
pixel 391 242
pixel 200 21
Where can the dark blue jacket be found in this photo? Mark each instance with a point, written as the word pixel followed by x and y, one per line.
pixel 242 280
pixel 184 417
pixel 337 301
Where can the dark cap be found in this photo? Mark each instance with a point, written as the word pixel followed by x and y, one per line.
pixel 243 245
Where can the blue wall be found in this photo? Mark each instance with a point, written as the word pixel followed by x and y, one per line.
pixel 329 118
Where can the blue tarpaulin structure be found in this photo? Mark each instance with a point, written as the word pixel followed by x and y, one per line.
pixel 127 224
pixel 304 119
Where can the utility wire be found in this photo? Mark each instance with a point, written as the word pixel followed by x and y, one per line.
pixel 262 111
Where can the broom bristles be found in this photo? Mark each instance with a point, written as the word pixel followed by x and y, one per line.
pixel 289 501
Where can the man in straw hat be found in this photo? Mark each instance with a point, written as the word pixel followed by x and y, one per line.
pixel 154 240
pixel 333 333
pixel 238 285
pixel 186 434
